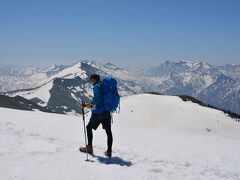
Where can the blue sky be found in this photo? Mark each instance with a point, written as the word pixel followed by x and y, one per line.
pixel 126 33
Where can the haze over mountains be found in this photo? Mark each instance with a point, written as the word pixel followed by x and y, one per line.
pixel 63 87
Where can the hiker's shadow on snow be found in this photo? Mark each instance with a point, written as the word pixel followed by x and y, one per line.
pixel 114 160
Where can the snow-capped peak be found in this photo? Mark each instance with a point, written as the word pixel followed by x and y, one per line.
pixel 195 64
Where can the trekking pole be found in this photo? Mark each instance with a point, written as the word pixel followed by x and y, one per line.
pixel 84 129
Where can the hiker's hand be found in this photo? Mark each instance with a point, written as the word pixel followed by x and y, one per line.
pixel 83 105
pixel 89 105
pixel 86 105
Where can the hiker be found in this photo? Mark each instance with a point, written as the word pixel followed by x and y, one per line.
pixel 99 116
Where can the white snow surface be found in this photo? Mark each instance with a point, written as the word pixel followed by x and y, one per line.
pixel 155 137
pixel 42 93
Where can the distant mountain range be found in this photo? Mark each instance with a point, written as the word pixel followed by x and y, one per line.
pixel 62 88
pixel 214 85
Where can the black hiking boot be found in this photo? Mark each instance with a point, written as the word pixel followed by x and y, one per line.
pixel 108 153
pixel 87 149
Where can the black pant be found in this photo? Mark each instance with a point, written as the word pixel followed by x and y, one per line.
pixel 105 119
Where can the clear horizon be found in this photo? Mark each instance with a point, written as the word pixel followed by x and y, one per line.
pixel 125 33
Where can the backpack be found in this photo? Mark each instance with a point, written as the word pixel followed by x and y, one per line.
pixel 110 92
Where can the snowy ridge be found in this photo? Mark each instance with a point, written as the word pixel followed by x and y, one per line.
pixel 43 93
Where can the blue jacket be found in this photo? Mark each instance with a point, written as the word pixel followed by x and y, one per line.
pixel 98 98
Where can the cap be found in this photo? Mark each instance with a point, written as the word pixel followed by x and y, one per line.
pixel 94 76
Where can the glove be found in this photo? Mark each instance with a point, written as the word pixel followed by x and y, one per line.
pixel 83 105
pixel 86 105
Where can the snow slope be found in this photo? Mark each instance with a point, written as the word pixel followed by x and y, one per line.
pixel 155 137
pixel 43 92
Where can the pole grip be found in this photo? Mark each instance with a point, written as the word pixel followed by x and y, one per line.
pixel 83 103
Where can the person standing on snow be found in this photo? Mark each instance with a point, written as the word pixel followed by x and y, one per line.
pixel 99 116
